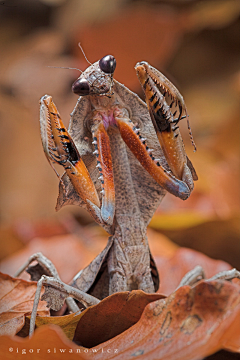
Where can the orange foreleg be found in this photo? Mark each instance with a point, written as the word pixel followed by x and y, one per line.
pixel 137 145
pixel 166 126
pixel 104 163
pixel 59 148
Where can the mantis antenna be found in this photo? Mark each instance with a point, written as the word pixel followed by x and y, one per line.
pixel 79 44
pixel 63 67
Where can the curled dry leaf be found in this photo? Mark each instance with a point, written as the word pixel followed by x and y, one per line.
pixel 112 316
pixel 190 324
pixel 103 321
pixel 16 300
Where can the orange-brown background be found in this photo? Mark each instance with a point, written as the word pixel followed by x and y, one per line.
pixel 195 43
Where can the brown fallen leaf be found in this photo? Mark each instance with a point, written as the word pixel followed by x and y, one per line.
pixel 112 316
pixel 171 270
pixel 101 322
pixel 16 300
pixel 47 342
pixel 68 253
pixel 67 323
pixel 190 324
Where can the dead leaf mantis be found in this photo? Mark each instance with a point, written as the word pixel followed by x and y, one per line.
pixel 120 156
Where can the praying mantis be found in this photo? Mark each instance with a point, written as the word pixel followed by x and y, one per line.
pixel 120 156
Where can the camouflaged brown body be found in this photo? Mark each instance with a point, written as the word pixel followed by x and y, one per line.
pixel 107 110
pixel 137 195
pixel 146 192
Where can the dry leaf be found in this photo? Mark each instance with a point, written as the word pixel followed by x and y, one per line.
pixel 101 322
pixel 190 324
pixel 171 270
pixel 48 342
pixel 67 323
pixel 16 300
pixel 68 253
pixel 112 316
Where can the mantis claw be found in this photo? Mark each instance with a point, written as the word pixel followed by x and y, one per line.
pixel 101 143
pixel 166 126
pixel 141 151
pixel 59 148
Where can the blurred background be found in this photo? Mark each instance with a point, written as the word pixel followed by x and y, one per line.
pixel 196 44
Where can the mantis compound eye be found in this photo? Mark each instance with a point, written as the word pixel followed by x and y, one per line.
pixel 108 64
pixel 81 87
